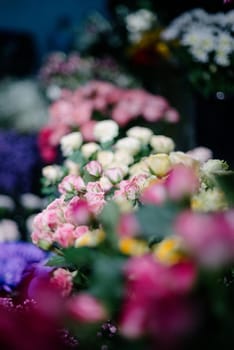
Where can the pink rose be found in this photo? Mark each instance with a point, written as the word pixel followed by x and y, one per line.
pixel 71 183
pixel 77 211
pixel 181 182
pixel 65 235
pixel 62 280
pixel 86 309
pixel 115 175
pixel 94 168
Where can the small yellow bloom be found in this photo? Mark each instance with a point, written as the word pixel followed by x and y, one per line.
pixel 159 164
pixel 132 246
pixel 169 251
pixel 90 239
pixel 162 49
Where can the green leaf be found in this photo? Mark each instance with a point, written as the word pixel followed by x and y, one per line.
pixel 79 257
pixel 156 222
pixel 225 180
pixel 78 158
pixel 109 219
pixel 56 261
pixel 106 280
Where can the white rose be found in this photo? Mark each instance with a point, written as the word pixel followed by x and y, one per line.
pixel 105 158
pixel 214 165
pixel 139 168
pixel 106 131
pixel 162 144
pixel 140 133
pixel 89 149
pixel 52 173
pixel 159 164
pixel 128 144
pixel 182 158
pixel 71 142
pixel 123 157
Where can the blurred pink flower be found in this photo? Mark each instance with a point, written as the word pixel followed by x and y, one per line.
pixel 62 280
pixel 208 237
pixel 128 225
pixel 85 308
pixel 65 235
pixel 77 211
pixel 182 181
pixel 71 183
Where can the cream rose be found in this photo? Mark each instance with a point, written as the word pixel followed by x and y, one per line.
pixel 52 173
pixel 159 164
pixel 141 134
pixel 128 144
pixel 89 149
pixel 70 143
pixel 162 144
pixel 106 131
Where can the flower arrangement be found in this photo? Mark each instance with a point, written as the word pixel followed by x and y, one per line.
pixel 147 234
pixel 70 71
pixel 204 43
pixel 98 100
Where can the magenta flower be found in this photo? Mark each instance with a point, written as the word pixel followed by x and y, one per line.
pixel 208 237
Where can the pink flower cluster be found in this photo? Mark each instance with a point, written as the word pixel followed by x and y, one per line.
pixel 64 221
pixel 157 299
pixel 182 181
pixel 75 110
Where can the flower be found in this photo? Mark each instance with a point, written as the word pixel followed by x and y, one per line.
pixel 115 175
pixel 94 168
pixel 140 133
pixel 162 144
pixel 89 149
pixel 15 259
pixel 106 131
pixel 85 308
pixel 62 279
pixel 70 143
pixel 9 230
pixel 52 173
pixel 159 164
pixel 130 145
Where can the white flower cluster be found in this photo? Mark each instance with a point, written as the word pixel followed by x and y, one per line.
pixel 139 22
pixel 208 38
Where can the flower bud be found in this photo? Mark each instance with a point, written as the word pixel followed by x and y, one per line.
pixel 115 175
pixel 128 144
pixel 94 168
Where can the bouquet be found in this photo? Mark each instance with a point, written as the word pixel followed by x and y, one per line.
pixel 148 242
pixel 204 44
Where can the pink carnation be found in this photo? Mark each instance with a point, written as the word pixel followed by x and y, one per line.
pixel 65 235
pixel 62 280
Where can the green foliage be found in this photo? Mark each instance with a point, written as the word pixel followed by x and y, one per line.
pixel 156 222
pixel 109 220
pixel 225 180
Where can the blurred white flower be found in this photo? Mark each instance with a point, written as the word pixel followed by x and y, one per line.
pixel 6 202
pixel 8 231
pixel 31 201
pixel 70 143
pixel 106 131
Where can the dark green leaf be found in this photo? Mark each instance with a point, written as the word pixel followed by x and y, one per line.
pixel 109 219
pixel 225 180
pixel 56 261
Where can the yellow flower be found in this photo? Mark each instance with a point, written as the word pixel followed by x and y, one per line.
pixel 169 251
pixel 159 164
pixel 133 246
pixel 90 239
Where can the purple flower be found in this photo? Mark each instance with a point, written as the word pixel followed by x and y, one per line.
pixel 15 260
